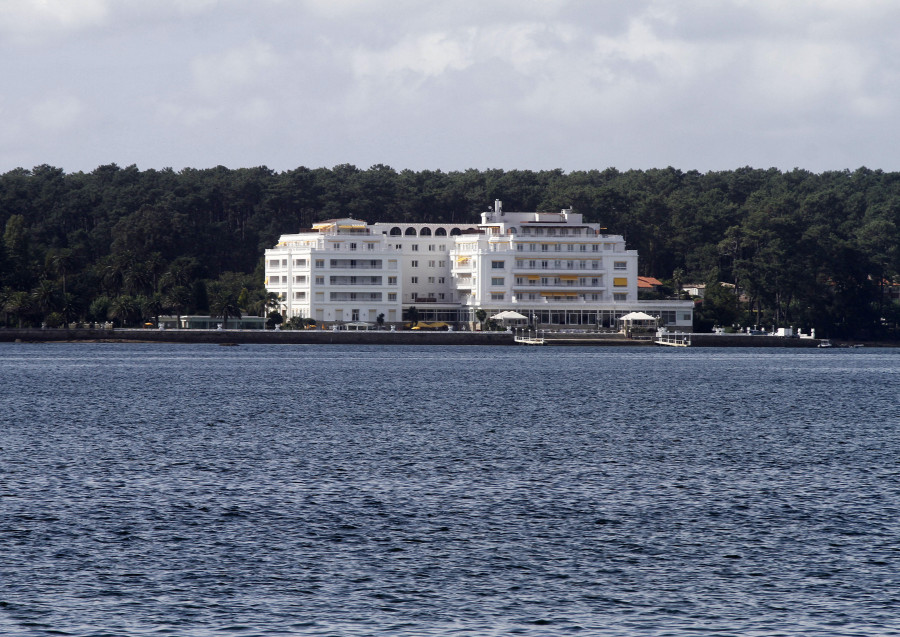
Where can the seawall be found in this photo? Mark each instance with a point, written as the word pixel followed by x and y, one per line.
pixel 259 337
pixel 747 340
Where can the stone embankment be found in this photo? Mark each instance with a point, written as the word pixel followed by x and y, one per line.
pixel 747 340
pixel 267 337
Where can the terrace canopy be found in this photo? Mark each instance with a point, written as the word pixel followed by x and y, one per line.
pixel 508 315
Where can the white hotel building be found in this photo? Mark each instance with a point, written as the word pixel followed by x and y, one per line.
pixel 551 267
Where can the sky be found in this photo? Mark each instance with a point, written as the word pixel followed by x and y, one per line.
pixel 418 84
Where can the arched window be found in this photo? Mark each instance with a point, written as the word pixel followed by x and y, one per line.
pixel 395 231
pixel 425 232
pixel 410 232
pixel 455 232
pixel 440 232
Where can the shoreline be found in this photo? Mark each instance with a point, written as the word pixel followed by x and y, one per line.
pixel 328 337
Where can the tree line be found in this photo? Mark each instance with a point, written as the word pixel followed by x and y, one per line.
pixel 123 244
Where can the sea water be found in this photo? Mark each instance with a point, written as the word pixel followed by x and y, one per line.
pixel 342 490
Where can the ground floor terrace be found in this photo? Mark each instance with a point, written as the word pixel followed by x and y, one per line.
pixel 674 314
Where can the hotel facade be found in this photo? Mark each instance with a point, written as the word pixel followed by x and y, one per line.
pixel 553 268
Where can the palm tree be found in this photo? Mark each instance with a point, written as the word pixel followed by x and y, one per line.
pixel 70 307
pixel 18 304
pixel 223 302
pixel 178 298
pixel 45 297
pixel 412 315
pixel 151 307
pixel 62 262
pixel 481 315
pixel 124 308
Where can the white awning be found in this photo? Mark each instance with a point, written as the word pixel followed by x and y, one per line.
pixel 637 316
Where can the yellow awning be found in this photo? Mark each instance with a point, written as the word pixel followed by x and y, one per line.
pixel 533 277
pixel 566 277
pixel 620 282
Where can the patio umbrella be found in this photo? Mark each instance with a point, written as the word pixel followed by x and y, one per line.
pixel 508 315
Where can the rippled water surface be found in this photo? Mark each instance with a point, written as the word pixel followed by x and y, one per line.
pixel 328 490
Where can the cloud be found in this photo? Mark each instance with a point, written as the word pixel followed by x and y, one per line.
pixel 447 85
pixel 232 69
pixel 57 113
pixel 22 19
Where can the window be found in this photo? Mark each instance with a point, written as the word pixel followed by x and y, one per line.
pixel 620 265
pixel 370 246
pixel 497 280
pixel 299 296
pixel 300 279
pixel 583 247
pixel 497 265
pixel 353 247
pixel 273 263
pixel 620 296
pixel 284 263
pixel 441 279
pixel 442 264
pixel 595 248
pixel 497 296
pixel 392 296
pixel 354 314
pixel 299 263
pixel 431 264
pixel 545 247
pixel 320 280
pixel 570 247
pixel 320 263
pixel 443 247
pixel 392 280
pixel 431 247
pixel 415 247
pixel 414 280
pixel 414 264
pixel 441 295
pixel 431 279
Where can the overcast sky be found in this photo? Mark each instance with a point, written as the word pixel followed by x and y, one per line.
pixel 420 84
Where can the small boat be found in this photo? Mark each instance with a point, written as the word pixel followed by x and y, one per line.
pixel 825 343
